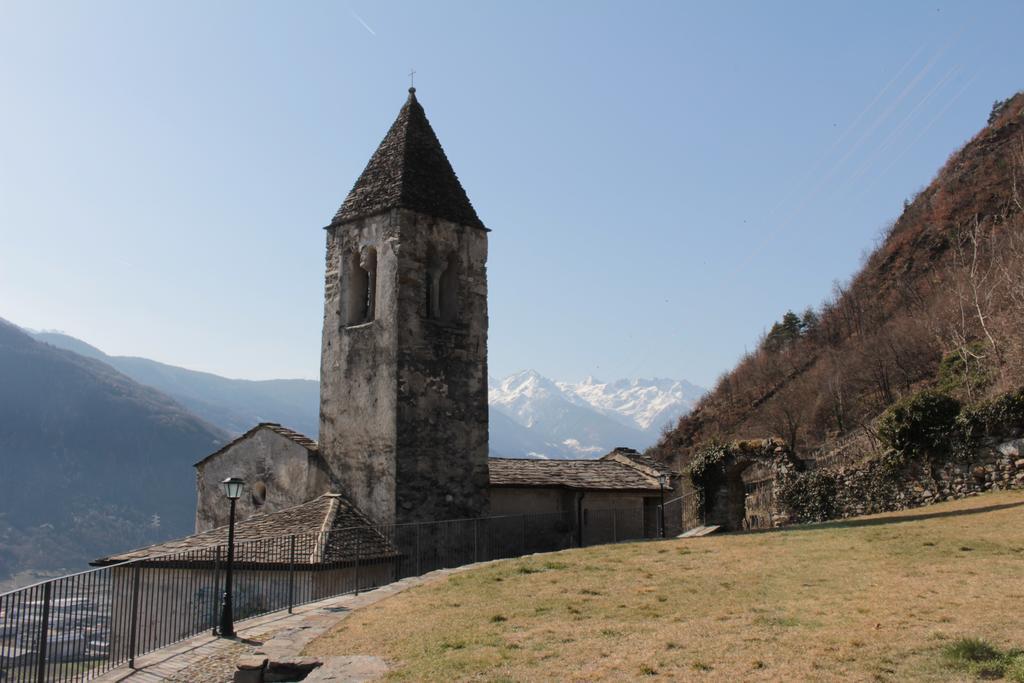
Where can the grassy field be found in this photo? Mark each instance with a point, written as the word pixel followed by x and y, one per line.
pixel 890 597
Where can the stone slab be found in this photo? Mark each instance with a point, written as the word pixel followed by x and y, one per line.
pixel 352 669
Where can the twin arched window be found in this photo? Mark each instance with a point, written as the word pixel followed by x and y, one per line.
pixel 359 285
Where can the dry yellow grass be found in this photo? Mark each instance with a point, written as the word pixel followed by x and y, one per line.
pixel 867 599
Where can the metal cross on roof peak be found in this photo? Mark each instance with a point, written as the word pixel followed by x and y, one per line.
pixel 412 77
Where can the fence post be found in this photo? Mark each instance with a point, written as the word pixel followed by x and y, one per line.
pixel 44 633
pixel 216 587
pixel 291 574
pixel 133 623
pixel 357 562
pixel 476 539
pixel 418 548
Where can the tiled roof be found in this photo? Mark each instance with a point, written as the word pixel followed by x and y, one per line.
pixel 573 474
pixel 409 170
pixel 300 439
pixel 326 529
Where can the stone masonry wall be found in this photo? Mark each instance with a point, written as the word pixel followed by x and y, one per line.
pixel 403 407
pixel 442 427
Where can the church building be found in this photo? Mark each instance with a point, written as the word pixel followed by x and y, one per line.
pixel 403 372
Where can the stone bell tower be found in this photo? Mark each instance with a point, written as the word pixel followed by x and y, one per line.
pixel 403 370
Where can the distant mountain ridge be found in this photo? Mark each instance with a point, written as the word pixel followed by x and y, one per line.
pixel 530 415
pixel 234 405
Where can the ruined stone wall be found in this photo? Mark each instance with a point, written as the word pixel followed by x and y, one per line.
pixel 738 481
pixel 893 482
pixel 278 474
pixel 403 407
pixel 923 482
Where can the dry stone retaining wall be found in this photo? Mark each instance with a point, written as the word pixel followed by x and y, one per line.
pixel 895 482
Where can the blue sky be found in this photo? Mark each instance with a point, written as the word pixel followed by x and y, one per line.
pixel 663 179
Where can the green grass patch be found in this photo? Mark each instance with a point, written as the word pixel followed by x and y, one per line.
pixel 983 660
pixel 782 622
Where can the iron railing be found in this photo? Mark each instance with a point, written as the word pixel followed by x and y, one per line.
pixel 78 626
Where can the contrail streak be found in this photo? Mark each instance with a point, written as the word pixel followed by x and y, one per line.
pixel 771 235
pixel 898 130
pixel 365 25
pixel 920 134
pixel 846 131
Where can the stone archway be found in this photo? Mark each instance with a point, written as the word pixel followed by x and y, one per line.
pixel 721 473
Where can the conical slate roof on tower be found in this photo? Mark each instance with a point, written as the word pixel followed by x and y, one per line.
pixel 409 170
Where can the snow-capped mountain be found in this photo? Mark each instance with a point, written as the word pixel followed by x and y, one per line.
pixel 644 403
pixel 533 416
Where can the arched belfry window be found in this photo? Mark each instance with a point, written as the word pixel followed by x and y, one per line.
pixel 360 286
pixel 448 291
pixel 440 287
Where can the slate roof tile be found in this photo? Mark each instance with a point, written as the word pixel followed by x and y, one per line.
pixel 645 463
pixel 607 475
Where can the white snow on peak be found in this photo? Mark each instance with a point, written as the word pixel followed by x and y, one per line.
pixel 647 403
pixel 587 418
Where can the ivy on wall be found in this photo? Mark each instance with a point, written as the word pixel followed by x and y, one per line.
pixel 707 469
pixel 808 497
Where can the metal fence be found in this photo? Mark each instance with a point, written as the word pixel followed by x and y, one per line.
pixel 79 626
pixel 684 513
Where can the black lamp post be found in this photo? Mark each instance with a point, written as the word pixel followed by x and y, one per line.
pixel 662 482
pixel 233 490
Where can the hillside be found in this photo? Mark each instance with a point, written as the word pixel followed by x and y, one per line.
pixel 883 598
pixel 939 303
pixel 90 461
pixel 234 405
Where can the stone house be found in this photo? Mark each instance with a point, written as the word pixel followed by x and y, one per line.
pixel 610 499
pixel 282 469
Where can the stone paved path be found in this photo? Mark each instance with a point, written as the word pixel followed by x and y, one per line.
pixel 206 658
